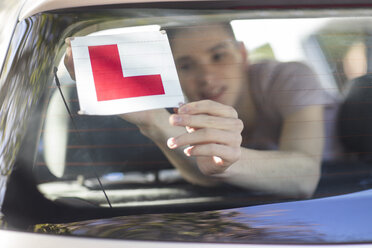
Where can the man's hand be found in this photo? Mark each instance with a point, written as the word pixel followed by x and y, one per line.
pixel 213 137
pixel 143 119
pixel 69 63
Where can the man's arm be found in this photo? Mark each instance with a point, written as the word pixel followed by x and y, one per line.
pixel 293 170
pixel 159 130
pixel 213 152
pixel 155 125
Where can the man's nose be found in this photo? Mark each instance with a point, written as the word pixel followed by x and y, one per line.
pixel 206 75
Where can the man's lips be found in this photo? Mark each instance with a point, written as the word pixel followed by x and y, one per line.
pixel 214 94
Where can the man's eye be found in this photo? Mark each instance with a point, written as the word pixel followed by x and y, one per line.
pixel 217 57
pixel 185 67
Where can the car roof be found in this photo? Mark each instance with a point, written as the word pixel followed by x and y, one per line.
pixel 32 7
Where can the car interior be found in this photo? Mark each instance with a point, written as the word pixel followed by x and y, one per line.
pixel 88 167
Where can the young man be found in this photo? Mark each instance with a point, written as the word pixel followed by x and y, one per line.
pixel 256 126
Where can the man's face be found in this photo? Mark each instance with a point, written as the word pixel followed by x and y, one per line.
pixel 210 64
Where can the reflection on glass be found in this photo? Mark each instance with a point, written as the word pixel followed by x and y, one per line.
pixel 213 226
pixel 285 85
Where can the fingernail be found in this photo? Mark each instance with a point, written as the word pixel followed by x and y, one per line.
pixel 171 142
pixel 183 110
pixel 218 160
pixel 187 151
pixel 176 119
pixel 180 104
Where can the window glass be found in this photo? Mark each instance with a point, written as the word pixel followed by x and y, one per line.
pixel 289 86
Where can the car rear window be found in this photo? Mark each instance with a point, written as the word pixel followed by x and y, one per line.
pixel 77 156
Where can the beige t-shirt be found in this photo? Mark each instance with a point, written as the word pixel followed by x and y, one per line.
pixel 279 89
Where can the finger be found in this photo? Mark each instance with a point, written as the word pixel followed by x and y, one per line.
pixel 205 136
pixel 208 107
pixel 179 105
pixel 217 160
pixel 227 154
pixel 206 167
pixel 209 167
pixel 68 40
pixel 69 53
pixel 69 63
pixel 206 121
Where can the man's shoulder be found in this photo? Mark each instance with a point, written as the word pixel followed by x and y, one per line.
pixel 275 67
pixel 270 75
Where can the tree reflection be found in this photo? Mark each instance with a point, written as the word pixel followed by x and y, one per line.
pixel 212 226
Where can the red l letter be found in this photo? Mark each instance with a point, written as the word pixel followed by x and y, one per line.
pixel 110 82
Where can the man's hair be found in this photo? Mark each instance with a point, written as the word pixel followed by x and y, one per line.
pixel 173 31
